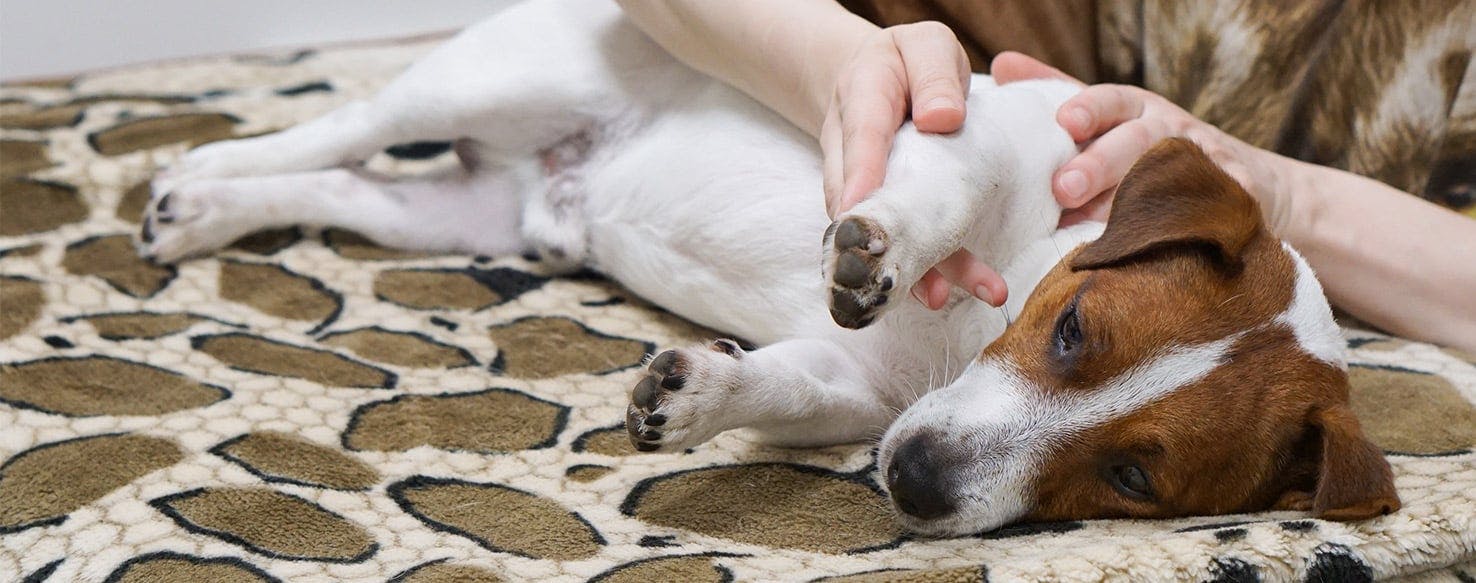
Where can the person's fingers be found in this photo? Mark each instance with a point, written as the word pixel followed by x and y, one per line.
pixel 1097 209
pixel 931 290
pixel 870 115
pixel 1099 108
pixel 832 159
pixel 968 273
pixel 1010 66
pixel 1105 161
pixel 937 75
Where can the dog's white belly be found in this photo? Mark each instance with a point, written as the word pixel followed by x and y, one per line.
pixel 713 210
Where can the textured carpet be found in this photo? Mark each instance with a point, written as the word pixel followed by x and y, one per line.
pixel 306 406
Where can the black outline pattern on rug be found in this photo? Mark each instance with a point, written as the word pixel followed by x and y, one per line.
pixel 313 282
pixel 860 477
pixel 391 380
pixel 396 492
pixel 219 449
pixel 498 365
pixel 162 504
pixel 112 338
pixel 561 419
pixel 122 568
pixel 224 392
pixel 466 355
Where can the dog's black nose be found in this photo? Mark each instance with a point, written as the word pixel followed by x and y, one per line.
pixel 915 481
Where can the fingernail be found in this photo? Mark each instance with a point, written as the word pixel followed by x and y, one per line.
pixel 917 295
pixel 1074 184
pixel 940 103
pixel 983 294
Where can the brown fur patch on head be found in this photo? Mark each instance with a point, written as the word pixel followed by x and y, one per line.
pixel 1182 234
pixel 1175 196
pixel 1236 441
pixel 1186 262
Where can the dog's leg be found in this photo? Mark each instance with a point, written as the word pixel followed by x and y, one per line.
pixel 985 189
pixel 804 392
pixel 884 245
pixel 474 213
pixel 345 135
pixel 515 83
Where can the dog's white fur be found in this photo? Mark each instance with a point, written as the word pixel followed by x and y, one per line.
pixel 588 142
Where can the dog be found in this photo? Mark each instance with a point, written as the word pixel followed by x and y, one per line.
pixel 1179 360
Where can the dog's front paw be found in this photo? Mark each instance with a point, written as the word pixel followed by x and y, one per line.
pixel 678 404
pixel 193 218
pixel 861 281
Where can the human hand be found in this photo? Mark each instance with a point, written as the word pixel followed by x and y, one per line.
pixel 918 68
pixel 1118 123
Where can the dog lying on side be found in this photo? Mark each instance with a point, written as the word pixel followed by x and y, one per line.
pixel 1180 360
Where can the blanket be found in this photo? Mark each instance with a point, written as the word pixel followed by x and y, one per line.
pixel 306 406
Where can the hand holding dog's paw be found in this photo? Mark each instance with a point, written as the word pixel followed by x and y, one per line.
pixel 676 405
pixel 861 281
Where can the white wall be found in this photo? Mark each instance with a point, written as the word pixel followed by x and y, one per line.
pixel 57 37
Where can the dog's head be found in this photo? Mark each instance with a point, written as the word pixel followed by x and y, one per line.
pixel 1184 363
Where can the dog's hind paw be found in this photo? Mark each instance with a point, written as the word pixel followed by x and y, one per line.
pixel 192 218
pixel 861 282
pixel 678 403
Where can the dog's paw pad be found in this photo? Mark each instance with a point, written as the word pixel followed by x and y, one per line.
pixel 672 407
pixel 860 280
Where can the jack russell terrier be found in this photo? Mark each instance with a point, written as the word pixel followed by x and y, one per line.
pixel 1180 360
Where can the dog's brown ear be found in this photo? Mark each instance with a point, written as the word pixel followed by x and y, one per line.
pixel 1175 196
pixel 1354 481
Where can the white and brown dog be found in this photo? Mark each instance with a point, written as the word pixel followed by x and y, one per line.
pixel 1184 361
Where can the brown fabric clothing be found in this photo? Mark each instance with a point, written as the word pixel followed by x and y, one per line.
pixel 1382 89
pixel 1063 33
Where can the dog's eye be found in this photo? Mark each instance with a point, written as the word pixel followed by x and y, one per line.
pixel 1132 481
pixel 1068 331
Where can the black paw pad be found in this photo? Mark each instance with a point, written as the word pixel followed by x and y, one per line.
pixel 666 367
pixel 644 395
pixel 665 374
pixel 858 288
pixel 860 235
pixel 851 270
pixel 162 209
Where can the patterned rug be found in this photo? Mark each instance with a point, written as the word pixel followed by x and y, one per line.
pixel 306 406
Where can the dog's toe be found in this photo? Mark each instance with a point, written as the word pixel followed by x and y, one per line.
pixel 644 395
pixel 664 375
pixel 161 210
pixel 676 404
pixel 666 367
pixel 860 279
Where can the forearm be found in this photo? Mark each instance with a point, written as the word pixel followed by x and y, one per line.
pixel 1391 259
pixel 784 53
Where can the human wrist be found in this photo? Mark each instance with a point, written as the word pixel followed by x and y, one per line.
pixel 1298 214
pixel 826 59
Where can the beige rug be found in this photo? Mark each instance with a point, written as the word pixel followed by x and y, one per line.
pixel 308 407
